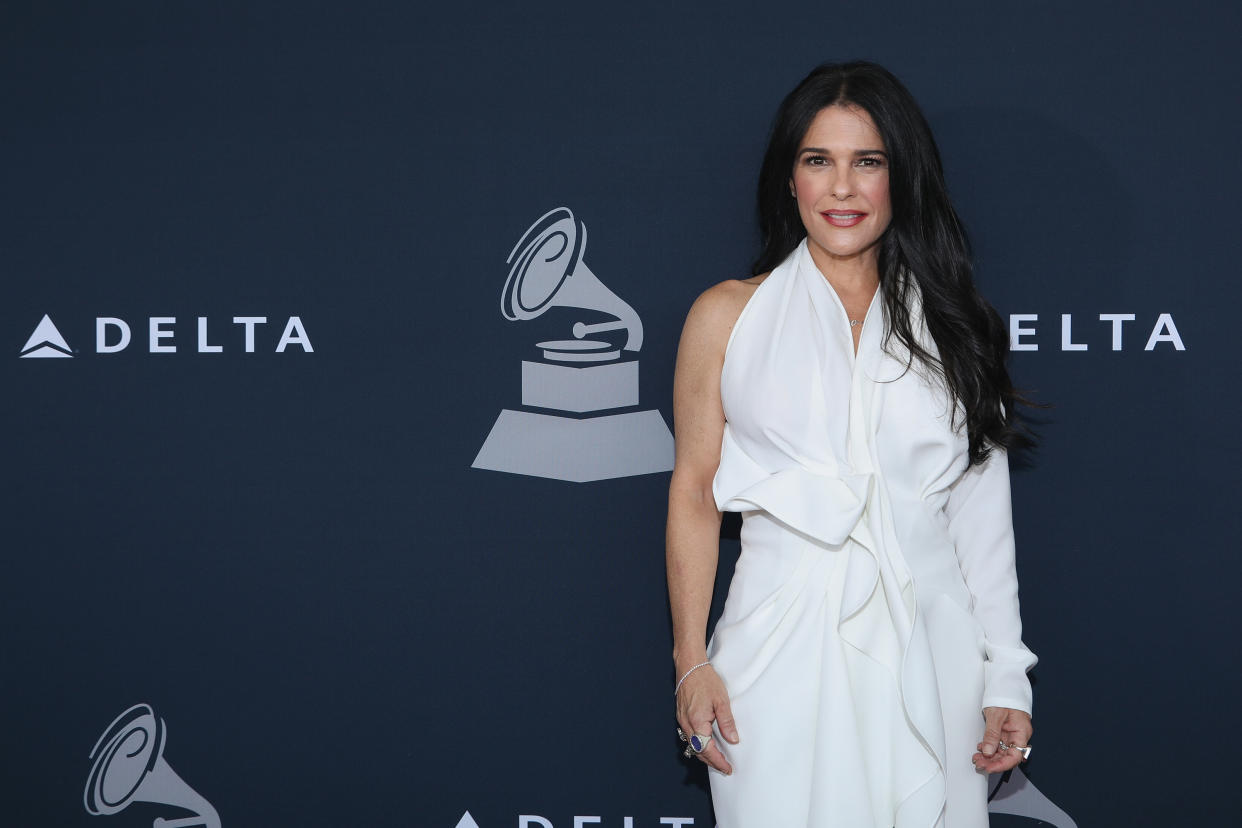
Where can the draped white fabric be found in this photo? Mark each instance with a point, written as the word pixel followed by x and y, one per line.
pixel 874 611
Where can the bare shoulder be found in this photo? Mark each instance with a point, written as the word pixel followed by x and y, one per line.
pixel 716 311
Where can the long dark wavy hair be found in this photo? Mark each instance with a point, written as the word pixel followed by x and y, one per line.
pixel 924 249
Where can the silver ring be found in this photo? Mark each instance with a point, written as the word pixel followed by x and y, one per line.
pixel 1025 750
pixel 699 742
pixel 681 734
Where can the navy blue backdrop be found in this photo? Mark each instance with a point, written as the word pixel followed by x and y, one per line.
pixel 284 549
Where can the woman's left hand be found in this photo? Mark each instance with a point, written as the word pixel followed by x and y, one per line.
pixel 1001 724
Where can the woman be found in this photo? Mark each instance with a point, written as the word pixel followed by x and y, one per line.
pixel 851 400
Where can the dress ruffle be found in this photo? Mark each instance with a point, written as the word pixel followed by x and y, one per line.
pixel 879 612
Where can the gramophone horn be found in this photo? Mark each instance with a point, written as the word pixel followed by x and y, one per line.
pixel 129 767
pixel 546 269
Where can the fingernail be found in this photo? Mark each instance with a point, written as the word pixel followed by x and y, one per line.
pixel 988 750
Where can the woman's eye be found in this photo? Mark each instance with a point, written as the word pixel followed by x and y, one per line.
pixel 871 162
pixel 816 160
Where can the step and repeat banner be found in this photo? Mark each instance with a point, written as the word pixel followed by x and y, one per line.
pixel 338 351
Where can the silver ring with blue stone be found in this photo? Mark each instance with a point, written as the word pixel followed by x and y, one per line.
pixel 698 742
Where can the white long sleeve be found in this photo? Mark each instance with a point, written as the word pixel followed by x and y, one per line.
pixel 981 525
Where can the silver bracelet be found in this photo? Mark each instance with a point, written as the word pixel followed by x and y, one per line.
pixel 687 675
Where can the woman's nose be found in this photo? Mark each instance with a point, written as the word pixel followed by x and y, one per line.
pixel 842 185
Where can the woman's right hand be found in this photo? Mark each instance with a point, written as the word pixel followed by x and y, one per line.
pixel 702 700
pixel 693 533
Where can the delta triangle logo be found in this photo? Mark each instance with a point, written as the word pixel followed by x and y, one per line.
pixel 46 341
pixel 467 821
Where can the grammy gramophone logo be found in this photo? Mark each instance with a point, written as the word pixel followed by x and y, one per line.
pixel 129 767
pixel 578 419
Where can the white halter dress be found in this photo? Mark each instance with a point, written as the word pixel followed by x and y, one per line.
pixel 873 612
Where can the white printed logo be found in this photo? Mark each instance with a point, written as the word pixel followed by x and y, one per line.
pixel 45 342
pixel 114 335
pixel 533 821
pixel 586 376
pixel 1023 332
pixel 1014 796
pixel 129 767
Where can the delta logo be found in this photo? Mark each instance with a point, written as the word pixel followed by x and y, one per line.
pixel 533 821
pixel 114 335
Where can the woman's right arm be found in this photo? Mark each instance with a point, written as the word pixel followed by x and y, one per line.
pixel 693 532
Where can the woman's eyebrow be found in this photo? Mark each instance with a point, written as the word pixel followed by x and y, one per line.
pixel 823 151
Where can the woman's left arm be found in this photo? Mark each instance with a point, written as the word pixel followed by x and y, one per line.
pixel 981 525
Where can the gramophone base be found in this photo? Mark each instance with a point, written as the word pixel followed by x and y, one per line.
pixel 564 448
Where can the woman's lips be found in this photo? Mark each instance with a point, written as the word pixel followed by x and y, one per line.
pixel 843 218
